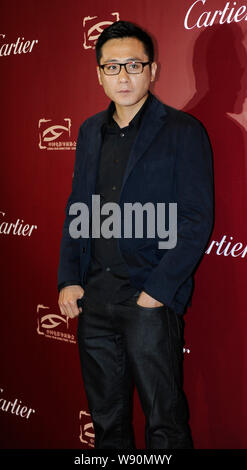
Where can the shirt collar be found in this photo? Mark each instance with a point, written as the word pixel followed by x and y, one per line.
pixel 112 125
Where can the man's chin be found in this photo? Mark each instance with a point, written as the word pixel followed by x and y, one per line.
pixel 129 100
pixel 123 99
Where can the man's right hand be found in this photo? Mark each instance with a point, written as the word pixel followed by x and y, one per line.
pixel 67 300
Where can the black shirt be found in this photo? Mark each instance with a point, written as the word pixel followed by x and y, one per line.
pixel 107 277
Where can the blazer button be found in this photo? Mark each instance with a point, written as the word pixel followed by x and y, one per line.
pixel 84 250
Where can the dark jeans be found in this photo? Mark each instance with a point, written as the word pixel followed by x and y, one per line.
pixel 122 345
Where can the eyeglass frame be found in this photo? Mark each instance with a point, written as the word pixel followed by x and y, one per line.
pixel 124 65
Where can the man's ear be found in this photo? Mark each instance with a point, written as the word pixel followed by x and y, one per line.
pixel 153 71
pixel 99 76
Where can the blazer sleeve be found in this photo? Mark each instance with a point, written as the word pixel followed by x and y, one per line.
pixel 194 194
pixel 69 259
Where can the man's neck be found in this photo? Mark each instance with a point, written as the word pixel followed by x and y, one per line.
pixel 124 114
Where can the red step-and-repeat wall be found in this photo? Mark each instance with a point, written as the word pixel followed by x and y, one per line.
pixel 48 87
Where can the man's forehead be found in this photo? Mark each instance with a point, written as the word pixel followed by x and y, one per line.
pixel 123 49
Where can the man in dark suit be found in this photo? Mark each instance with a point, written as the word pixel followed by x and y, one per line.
pixel 129 294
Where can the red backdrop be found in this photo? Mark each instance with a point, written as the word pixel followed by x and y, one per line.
pixel 48 87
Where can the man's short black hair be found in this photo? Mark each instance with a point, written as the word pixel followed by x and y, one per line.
pixel 124 29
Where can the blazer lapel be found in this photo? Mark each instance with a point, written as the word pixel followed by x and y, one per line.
pixel 93 152
pixel 151 124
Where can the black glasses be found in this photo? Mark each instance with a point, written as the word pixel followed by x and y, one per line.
pixel 130 67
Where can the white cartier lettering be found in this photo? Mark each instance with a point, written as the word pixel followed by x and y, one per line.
pixel 196 18
pixel 15 407
pixel 227 247
pixel 16 228
pixel 19 47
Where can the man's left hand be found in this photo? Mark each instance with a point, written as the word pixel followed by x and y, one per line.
pixel 146 300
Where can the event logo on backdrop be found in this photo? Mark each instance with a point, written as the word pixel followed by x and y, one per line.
pixel 198 17
pixel 87 435
pixel 18 47
pixel 55 135
pixel 93 29
pixel 54 326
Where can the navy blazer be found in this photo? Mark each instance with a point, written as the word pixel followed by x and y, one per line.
pixel 170 161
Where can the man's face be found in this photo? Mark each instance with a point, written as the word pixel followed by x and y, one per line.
pixel 125 89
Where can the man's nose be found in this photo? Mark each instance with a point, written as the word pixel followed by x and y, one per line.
pixel 123 75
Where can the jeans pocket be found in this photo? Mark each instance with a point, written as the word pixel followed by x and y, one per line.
pixel 158 307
